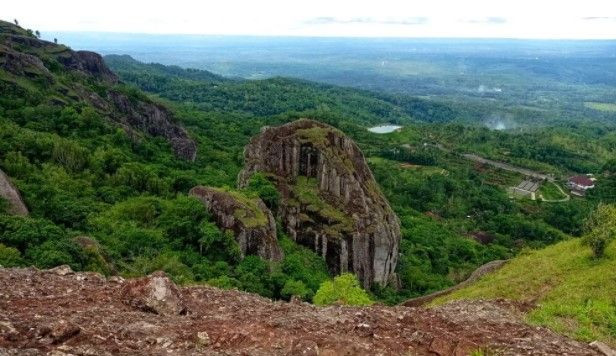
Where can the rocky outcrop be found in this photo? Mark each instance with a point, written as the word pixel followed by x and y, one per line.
pixel 84 314
pixel 30 58
pixel 89 63
pixel 23 64
pixel 250 220
pixel 155 293
pixel 9 193
pixel 331 202
pixel 155 120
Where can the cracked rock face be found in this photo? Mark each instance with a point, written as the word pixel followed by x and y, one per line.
pixel 9 193
pixel 156 121
pixel 331 202
pixel 90 63
pixel 250 220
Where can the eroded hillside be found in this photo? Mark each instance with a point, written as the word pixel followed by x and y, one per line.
pixel 85 314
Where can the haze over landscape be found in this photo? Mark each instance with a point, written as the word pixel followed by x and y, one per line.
pixel 308 178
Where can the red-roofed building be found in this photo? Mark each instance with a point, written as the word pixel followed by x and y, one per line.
pixel 580 184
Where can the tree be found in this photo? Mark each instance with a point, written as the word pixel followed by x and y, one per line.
pixel 344 289
pixel 16 22
pixel 37 34
pixel 266 190
pixel 295 288
pixel 600 229
pixel 55 40
pixel 10 257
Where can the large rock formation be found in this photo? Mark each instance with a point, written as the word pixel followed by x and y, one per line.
pixel 250 220
pixel 9 193
pixel 331 202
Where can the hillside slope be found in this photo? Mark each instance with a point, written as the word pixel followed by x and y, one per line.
pixel 567 290
pixel 48 312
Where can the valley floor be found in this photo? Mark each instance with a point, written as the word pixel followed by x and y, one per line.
pixel 84 313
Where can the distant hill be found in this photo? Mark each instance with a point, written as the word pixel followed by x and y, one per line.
pixel 562 286
pixel 275 96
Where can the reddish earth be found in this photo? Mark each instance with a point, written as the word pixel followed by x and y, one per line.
pixel 58 312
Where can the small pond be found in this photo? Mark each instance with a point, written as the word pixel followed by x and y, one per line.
pixel 383 129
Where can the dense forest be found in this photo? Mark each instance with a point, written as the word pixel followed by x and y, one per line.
pixel 108 200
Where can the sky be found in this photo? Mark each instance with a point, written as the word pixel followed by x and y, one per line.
pixel 576 19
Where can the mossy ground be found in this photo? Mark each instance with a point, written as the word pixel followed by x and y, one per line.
pixel 574 293
pixel 306 191
pixel 249 212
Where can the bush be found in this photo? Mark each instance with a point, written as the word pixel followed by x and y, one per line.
pixel 57 252
pixel 295 288
pixel 264 189
pixel 344 289
pixel 600 229
pixel 10 257
pixel 23 232
pixel 167 262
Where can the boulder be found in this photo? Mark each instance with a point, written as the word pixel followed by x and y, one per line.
pixel 155 293
pixel 9 193
pixel 250 220
pixel 63 270
pixel 330 200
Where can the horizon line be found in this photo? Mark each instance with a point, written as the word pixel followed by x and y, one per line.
pixel 328 36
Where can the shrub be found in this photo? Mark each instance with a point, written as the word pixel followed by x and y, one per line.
pixel 600 229
pixel 344 289
pixel 57 252
pixel 10 257
pixel 264 189
pixel 295 288
pixel 168 262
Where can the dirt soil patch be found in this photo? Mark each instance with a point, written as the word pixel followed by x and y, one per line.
pixel 60 312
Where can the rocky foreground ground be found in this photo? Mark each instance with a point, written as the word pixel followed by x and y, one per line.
pixel 58 312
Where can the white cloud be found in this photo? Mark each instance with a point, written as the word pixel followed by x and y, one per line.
pixel 435 18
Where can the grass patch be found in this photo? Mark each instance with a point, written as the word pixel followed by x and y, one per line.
pixel 574 294
pixel 550 191
pixel 248 211
pixel 609 107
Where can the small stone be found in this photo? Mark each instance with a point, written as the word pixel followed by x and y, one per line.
pixel 6 327
pixel 116 279
pixel 203 338
pixel 305 348
pixel 63 270
pixel 63 331
pixel 603 348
